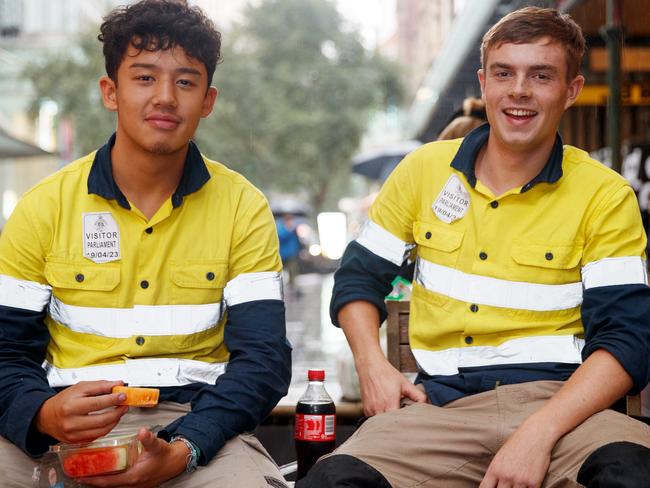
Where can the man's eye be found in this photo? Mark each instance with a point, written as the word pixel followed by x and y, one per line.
pixel 502 74
pixel 542 76
pixel 185 82
pixel 145 78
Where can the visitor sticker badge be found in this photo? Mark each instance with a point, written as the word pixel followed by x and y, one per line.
pixel 101 237
pixel 452 202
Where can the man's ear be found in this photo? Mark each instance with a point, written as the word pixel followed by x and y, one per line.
pixel 108 90
pixel 208 101
pixel 575 87
pixel 481 80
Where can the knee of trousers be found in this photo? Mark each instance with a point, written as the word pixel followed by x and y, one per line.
pixel 342 470
pixel 616 465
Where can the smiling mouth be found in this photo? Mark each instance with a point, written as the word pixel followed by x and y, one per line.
pixel 519 113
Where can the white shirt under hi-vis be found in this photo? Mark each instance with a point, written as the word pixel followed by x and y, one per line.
pixel 499 279
pixel 139 300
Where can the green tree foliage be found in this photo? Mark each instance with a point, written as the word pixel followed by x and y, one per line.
pixel 296 88
pixel 71 79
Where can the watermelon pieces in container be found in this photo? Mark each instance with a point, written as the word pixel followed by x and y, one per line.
pixel 108 455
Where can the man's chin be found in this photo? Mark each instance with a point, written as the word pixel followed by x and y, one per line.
pixel 162 149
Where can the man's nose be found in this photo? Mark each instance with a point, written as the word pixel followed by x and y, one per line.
pixel 520 87
pixel 165 94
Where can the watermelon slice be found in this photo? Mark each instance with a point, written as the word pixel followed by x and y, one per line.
pixel 92 462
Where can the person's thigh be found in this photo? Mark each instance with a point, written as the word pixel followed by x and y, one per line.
pixel 16 467
pixel 241 463
pixel 427 446
pixel 573 449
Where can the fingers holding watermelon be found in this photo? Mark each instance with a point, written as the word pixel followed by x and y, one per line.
pixel 158 462
pixel 82 412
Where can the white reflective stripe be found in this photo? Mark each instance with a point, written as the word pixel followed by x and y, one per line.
pixel 496 292
pixel 27 295
pixel 384 244
pixel 615 271
pixel 151 320
pixel 140 372
pixel 540 349
pixel 248 287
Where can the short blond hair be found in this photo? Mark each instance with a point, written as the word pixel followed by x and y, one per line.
pixel 532 23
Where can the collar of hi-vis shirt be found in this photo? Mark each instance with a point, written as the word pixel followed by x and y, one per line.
pixel 465 159
pixel 101 181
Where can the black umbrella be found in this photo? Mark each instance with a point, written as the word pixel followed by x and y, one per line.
pixel 10 147
pixel 378 164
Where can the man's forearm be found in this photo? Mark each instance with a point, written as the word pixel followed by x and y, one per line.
pixel 594 386
pixel 360 323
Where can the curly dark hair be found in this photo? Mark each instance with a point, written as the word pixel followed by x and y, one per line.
pixel 155 25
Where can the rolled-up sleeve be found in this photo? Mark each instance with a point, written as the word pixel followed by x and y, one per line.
pixel 616 300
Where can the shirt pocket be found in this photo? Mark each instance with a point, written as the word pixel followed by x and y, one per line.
pixel 553 263
pixel 437 245
pixel 550 256
pixel 197 296
pixel 84 298
pixel 83 284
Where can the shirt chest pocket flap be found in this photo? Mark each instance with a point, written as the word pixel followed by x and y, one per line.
pixel 437 243
pixel 84 284
pixel 550 256
pixel 198 281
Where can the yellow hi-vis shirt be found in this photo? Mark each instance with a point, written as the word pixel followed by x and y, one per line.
pixel 128 298
pixel 500 279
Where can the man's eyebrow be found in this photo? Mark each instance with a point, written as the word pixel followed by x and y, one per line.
pixel 543 67
pixel 182 69
pixel 534 67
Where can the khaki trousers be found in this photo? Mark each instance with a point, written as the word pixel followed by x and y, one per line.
pixel 425 446
pixel 241 463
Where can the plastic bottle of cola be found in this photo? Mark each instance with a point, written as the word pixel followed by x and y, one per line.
pixel 315 432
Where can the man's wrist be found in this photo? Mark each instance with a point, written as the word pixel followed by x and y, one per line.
pixel 189 449
pixel 40 419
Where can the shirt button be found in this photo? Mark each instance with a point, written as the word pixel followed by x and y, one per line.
pixel 428 235
pixel 469 340
pixel 79 277
pixel 549 256
pixel 144 284
pixel 494 204
pixel 210 276
pixel 473 307
pixel 139 340
pixel 483 256
pixel 149 230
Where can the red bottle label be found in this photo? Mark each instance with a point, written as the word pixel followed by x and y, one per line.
pixel 319 428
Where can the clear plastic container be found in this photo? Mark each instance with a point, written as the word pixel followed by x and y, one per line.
pixel 108 455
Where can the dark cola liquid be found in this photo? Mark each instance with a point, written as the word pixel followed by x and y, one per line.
pixel 308 452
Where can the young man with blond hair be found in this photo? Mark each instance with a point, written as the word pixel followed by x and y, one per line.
pixel 530 305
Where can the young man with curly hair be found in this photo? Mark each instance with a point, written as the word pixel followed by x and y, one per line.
pixel 144 263
pixel 530 306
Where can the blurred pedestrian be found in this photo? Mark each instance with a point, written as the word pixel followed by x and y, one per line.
pixel 289 248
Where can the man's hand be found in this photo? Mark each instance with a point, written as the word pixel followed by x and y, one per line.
pixel 523 460
pixel 82 412
pixel 158 462
pixel 383 387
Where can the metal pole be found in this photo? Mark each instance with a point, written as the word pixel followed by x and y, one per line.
pixel 613 34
